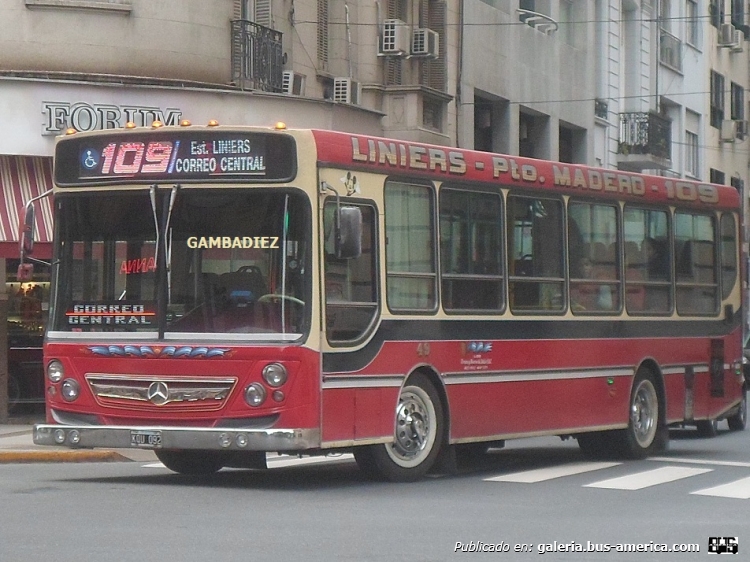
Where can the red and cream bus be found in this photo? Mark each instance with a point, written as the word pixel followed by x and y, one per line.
pixel 223 292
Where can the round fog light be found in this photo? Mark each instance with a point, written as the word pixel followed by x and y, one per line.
pixel 275 374
pixel 225 440
pixel 74 437
pixel 241 440
pixel 255 394
pixel 59 436
pixel 70 390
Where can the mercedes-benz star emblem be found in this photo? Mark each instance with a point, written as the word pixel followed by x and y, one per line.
pixel 158 393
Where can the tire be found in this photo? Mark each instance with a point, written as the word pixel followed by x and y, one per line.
pixel 738 421
pixel 642 436
pixel 196 463
pixel 708 428
pixel 417 439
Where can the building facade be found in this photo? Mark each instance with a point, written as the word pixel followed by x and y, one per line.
pixel 645 85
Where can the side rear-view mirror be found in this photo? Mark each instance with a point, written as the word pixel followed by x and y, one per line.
pixel 349 235
pixel 26 231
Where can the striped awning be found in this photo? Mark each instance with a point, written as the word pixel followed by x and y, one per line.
pixel 21 179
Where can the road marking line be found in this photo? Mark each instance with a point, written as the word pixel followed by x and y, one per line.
pixel 542 474
pixel 739 489
pixel 648 478
pixel 701 461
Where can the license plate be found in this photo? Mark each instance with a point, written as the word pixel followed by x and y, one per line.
pixel 146 439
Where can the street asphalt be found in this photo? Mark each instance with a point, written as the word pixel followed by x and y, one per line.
pixel 17 446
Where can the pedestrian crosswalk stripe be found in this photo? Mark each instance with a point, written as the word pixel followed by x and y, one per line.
pixel 648 478
pixel 541 474
pixel 739 489
pixel 701 461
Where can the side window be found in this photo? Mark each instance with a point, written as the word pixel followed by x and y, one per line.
pixel 593 250
pixel 351 286
pixel 535 254
pixel 728 254
pixel 411 275
pixel 648 261
pixel 470 250
pixel 695 265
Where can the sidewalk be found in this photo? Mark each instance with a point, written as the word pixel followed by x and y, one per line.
pixel 17 446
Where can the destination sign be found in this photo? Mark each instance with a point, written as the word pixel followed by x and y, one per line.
pixel 180 156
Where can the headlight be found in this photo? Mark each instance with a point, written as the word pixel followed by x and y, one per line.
pixel 255 394
pixel 70 390
pixel 275 374
pixel 55 371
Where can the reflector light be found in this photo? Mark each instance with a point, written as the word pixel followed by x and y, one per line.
pixel 213 123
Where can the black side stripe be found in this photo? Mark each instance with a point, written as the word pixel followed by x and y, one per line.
pixel 514 329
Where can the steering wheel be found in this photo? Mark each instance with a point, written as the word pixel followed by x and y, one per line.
pixel 272 296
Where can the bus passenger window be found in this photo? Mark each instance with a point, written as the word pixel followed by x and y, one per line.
pixel 470 250
pixel 535 258
pixel 411 276
pixel 593 264
pixel 695 264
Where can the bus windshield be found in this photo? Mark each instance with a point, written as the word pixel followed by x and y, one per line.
pixel 233 262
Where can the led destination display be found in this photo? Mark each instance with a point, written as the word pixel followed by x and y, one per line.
pixel 179 156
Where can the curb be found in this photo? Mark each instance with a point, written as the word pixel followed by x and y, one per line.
pixel 20 457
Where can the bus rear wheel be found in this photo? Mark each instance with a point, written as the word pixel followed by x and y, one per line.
pixel 738 421
pixel 194 463
pixel 417 439
pixel 642 436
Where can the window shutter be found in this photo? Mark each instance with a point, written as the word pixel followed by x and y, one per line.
pixel 263 13
pixel 323 33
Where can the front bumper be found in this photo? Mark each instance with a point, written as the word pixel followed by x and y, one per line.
pixel 166 437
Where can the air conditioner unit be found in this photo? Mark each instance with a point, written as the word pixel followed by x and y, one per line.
pixel 293 83
pixel 727 35
pixel 346 90
pixel 425 43
pixel 728 130
pixel 394 41
pixel 742 129
pixel 739 40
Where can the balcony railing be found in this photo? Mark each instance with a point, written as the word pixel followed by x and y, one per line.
pixel 645 133
pixel 257 57
pixel 670 50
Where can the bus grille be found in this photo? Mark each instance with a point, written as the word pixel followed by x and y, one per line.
pixel 174 393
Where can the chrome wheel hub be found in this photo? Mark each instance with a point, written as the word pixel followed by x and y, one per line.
pixel 643 413
pixel 413 426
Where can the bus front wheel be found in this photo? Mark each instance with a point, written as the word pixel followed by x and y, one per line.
pixel 190 462
pixel 417 439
